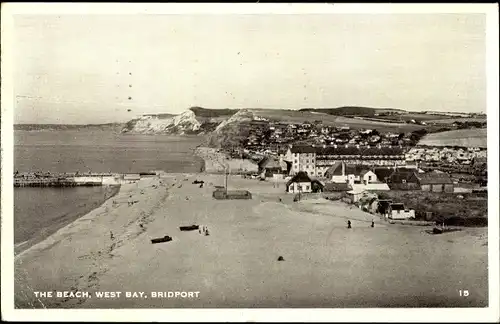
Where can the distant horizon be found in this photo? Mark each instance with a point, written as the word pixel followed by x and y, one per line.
pixel 297 109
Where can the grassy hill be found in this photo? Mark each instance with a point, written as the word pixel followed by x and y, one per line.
pixel 354 111
pixel 476 137
pixel 302 116
pixel 212 113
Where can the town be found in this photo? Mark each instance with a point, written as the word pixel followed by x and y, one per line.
pixel 364 165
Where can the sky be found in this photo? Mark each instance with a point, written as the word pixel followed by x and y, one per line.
pixel 82 69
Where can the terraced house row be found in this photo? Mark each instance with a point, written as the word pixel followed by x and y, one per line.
pixel 316 160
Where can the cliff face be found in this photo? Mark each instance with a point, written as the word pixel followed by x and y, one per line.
pixel 241 116
pixel 185 123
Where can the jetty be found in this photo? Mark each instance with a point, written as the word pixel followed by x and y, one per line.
pixel 47 179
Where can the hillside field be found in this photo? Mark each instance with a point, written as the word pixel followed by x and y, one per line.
pixel 475 137
pixel 296 116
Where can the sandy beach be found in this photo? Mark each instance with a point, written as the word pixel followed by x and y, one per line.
pixel 325 264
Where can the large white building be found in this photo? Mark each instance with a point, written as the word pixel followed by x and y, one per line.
pixel 316 160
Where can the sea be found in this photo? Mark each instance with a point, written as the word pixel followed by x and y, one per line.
pixel 39 212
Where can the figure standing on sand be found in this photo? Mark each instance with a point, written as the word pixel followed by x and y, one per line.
pixel 349 224
pixel 373 223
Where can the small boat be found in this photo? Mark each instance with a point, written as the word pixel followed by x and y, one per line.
pixel 437 230
pixel 166 238
pixel 189 228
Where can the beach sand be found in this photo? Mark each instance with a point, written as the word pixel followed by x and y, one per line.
pixel 325 264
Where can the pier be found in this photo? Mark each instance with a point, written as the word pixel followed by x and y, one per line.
pixel 75 179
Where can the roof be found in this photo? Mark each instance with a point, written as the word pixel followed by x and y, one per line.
pixel 303 149
pixel 397 206
pixel 365 172
pixel 434 178
pixel 350 150
pixel 383 173
pixel 335 169
pixel 301 176
pixel 373 186
pixel 356 191
pixel 355 169
pixel 270 162
pixel 332 186
pixel 401 174
pixel 315 181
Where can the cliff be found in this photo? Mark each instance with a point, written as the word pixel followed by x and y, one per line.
pixel 185 123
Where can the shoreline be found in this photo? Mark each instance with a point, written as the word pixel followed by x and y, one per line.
pixel 323 268
pixel 19 248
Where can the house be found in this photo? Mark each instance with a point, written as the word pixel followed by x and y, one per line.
pixel 368 176
pixel 403 179
pixel 371 186
pixel 270 165
pixel 355 194
pixel 317 160
pixel 341 172
pixel 300 182
pixel 435 182
pixel 398 211
pixel 317 186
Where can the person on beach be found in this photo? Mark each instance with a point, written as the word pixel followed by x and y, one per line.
pixel 349 224
pixel 373 223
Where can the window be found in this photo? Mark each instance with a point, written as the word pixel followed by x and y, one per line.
pixel 295 161
pixel 403 181
pixel 369 178
pixel 307 188
pixel 307 166
pixel 296 166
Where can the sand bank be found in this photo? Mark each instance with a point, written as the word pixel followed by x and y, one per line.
pixel 325 264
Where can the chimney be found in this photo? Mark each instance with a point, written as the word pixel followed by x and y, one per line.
pixel 343 168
